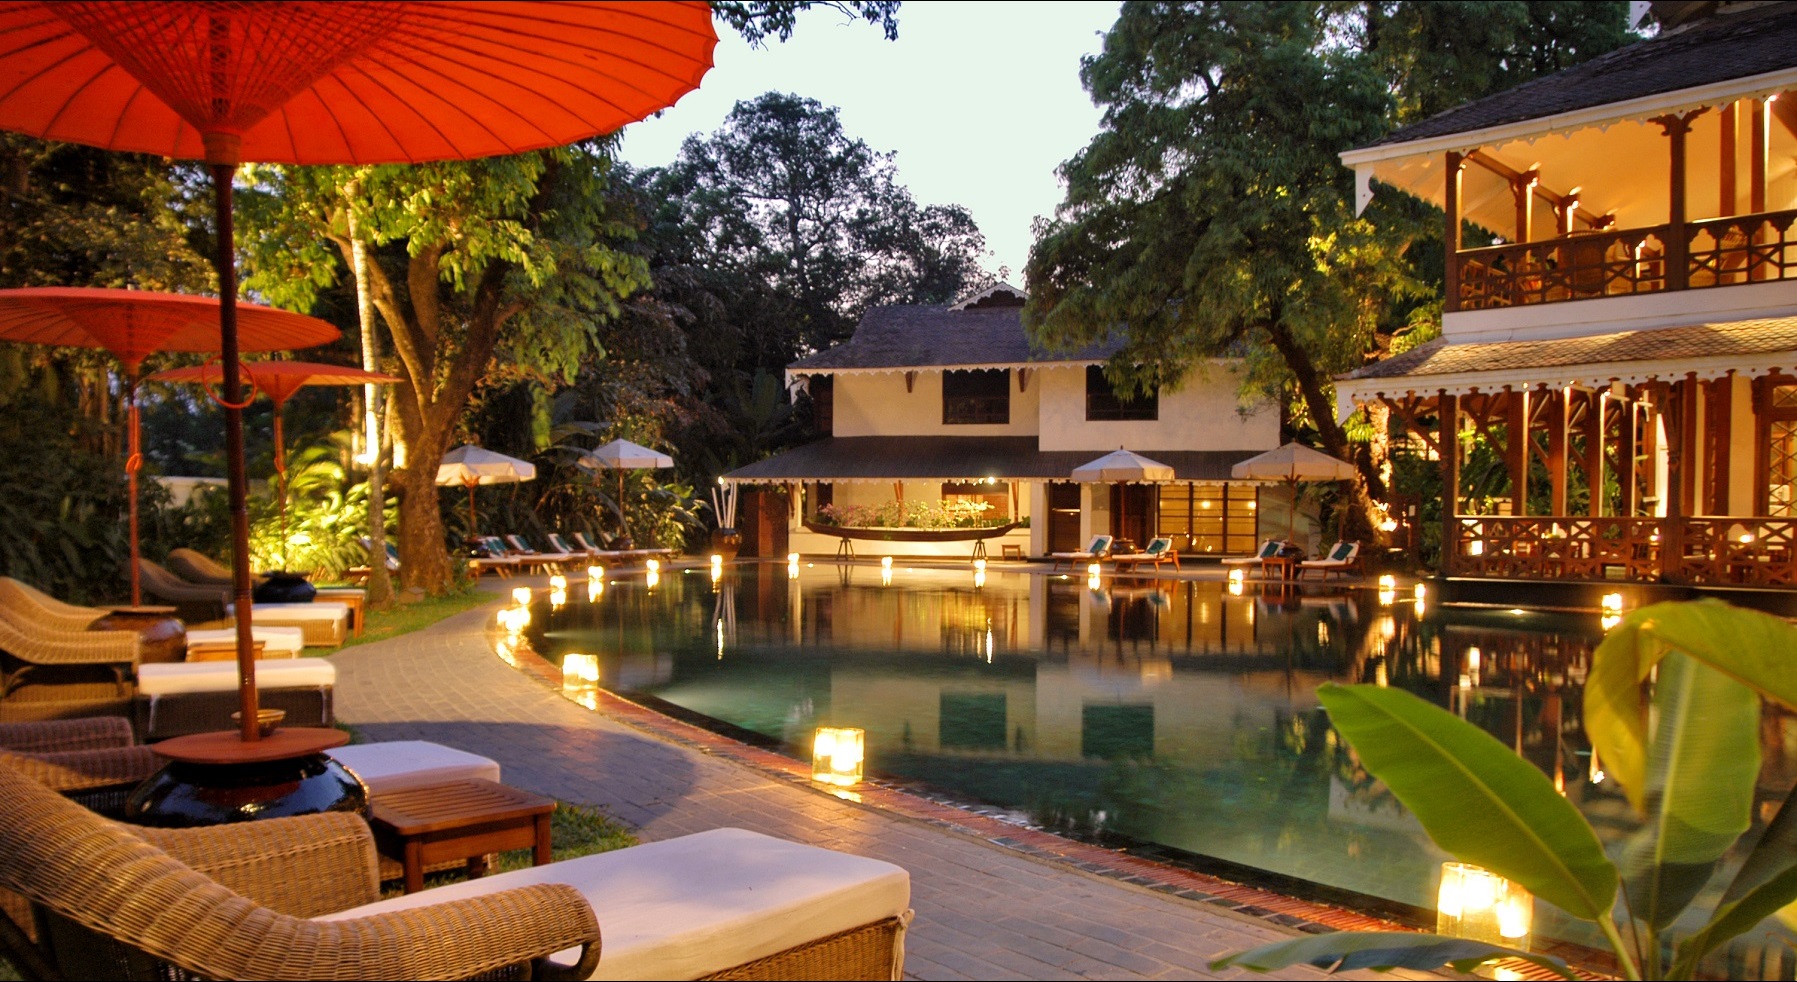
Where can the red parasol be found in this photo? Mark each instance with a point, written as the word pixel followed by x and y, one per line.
pixel 280 380
pixel 133 324
pixel 337 83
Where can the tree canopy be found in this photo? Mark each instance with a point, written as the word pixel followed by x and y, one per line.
pixel 1211 217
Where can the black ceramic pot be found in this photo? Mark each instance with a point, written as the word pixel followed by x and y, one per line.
pixel 726 543
pixel 285 588
pixel 185 795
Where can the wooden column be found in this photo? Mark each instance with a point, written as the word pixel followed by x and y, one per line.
pixel 1568 212
pixel 1682 462
pixel 1516 448
pixel 1627 474
pixel 1522 188
pixel 1726 192
pixel 1677 245
pixel 1757 139
pixel 1448 441
pixel 1718 412
pixel 1594 450
pixel 1556 413
pixel 1456 172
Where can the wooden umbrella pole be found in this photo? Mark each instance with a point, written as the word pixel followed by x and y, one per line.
pixel 281 480
pixel 472 531
pixel 133 462
pixel 237 484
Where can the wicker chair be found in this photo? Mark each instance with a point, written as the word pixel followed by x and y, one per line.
pixel 193 602
pixel 33 646
pixel 36 606
pixel 232 902
pixel 95 761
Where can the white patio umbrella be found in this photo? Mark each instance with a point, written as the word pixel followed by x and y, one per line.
pixel 472 466
pixel 622 455
pixel 1292 463
pixel 1119 466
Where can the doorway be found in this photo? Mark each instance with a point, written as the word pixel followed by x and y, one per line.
pixel 1063 517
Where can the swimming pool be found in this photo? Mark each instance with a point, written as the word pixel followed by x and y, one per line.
pixel 1171 713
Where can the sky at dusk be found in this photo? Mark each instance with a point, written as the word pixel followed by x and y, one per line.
pixel 980 101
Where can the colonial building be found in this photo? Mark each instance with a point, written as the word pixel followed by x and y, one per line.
pixel 1619 349
pixel 935 403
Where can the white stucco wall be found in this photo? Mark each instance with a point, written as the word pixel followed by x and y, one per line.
pixel 878 405
pixel 1202 415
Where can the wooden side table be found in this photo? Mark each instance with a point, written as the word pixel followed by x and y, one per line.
pixel 355 597
pixel 441 823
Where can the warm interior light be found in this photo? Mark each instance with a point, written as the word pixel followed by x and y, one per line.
pixel 1475 547
pixel 838 755
pixel 1480 905
pixel 520 595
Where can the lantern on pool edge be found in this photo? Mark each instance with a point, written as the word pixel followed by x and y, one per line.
pixel 837 755
pixel 1480 905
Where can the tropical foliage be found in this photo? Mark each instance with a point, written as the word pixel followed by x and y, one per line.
pixel 944 514
pixel 1688 758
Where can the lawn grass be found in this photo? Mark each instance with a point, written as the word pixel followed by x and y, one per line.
pixel 574 831
pixel 415 616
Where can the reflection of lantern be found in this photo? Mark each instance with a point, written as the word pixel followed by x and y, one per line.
pixel 1235 587
pixel 1612 604
pixel 1387 597
pixel 558 598
pixel 580 679
pixel 886 576
pixel 837 755
pixel 792 570
pixel 979 578
pixel 652 579
pixel 1420 593
pixel 717 572
pixel 1480 905
pixel 520 595
pixel 595 590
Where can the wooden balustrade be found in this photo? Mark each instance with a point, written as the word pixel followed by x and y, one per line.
pixel 1723 551
pixel 1719 252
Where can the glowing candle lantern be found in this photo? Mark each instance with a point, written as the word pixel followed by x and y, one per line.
pixel 1094 569
pixel 1612 605
pixel 1388 582
pixel 1421 593
pixel 979 564
pixel 1480 905
pixel 1236 575
pixel 654 565
pixel 838 754
pixel 595 573
pixel 885 562
pixel 792 559
pixel 520 595
pixel 558 582
pixel 716 559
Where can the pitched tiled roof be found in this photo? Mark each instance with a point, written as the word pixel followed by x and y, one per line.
pixel 919 336
pixel 960 458
pixel 1716 50
pixel 1737 339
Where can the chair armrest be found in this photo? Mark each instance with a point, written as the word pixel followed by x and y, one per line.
pixel 79 770
pixel 450 940
pixel 47 736
pixel 303 866
pixel 45 647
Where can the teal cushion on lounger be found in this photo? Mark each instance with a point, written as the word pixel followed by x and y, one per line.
pixel 1270 548
pixel 1341 552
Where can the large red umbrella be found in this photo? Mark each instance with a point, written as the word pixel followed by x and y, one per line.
pixel 279 380
pixel 133 324
pixel 351 82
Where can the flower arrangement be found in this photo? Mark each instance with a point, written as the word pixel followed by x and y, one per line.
pixel 951 514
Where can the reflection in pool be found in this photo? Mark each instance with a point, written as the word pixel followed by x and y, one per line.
pixel 1168 712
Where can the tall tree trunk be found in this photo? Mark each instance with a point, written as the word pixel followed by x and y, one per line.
pixel 1361 525
pixel 380 585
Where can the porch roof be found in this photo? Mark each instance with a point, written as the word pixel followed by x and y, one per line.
pixel 904 337
pixel 959 458
pixel 1751 348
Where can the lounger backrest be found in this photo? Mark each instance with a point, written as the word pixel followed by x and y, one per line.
pixel 1100 544
pixel 556 541
pixel 585 543
pixel 1342 552
pixel 1158 546
pixel 518 543
pixel 1269 549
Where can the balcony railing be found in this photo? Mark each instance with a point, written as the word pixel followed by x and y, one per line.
pixel 1716 252
pixel 1725 551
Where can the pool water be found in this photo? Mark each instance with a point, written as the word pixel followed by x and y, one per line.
pixel 1172 713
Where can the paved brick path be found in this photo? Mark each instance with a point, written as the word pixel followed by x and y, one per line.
pixel 984 911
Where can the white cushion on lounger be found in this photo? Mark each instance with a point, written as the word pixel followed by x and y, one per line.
pixel 175 678
pixel 318 610
pixel 400 764
pixel 277 642
pixel 687 907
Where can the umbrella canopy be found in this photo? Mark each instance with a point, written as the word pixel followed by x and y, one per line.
pixel 624 454
pixel 234 80
pixel 279 380
pixel 133 324
pixel 1293 462
pixel 472 466
pixel 1122 465
pixel 345 82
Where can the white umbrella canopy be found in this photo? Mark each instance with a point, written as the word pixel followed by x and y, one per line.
pixel 622 455
pixel 1122 465
pixel 1293 462
pixel 471 466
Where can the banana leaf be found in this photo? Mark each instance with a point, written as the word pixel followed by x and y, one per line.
pixel 1475 797
pixel 1382 951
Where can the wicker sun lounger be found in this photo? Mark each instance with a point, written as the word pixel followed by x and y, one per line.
pixel 94 761
pixel 37 607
